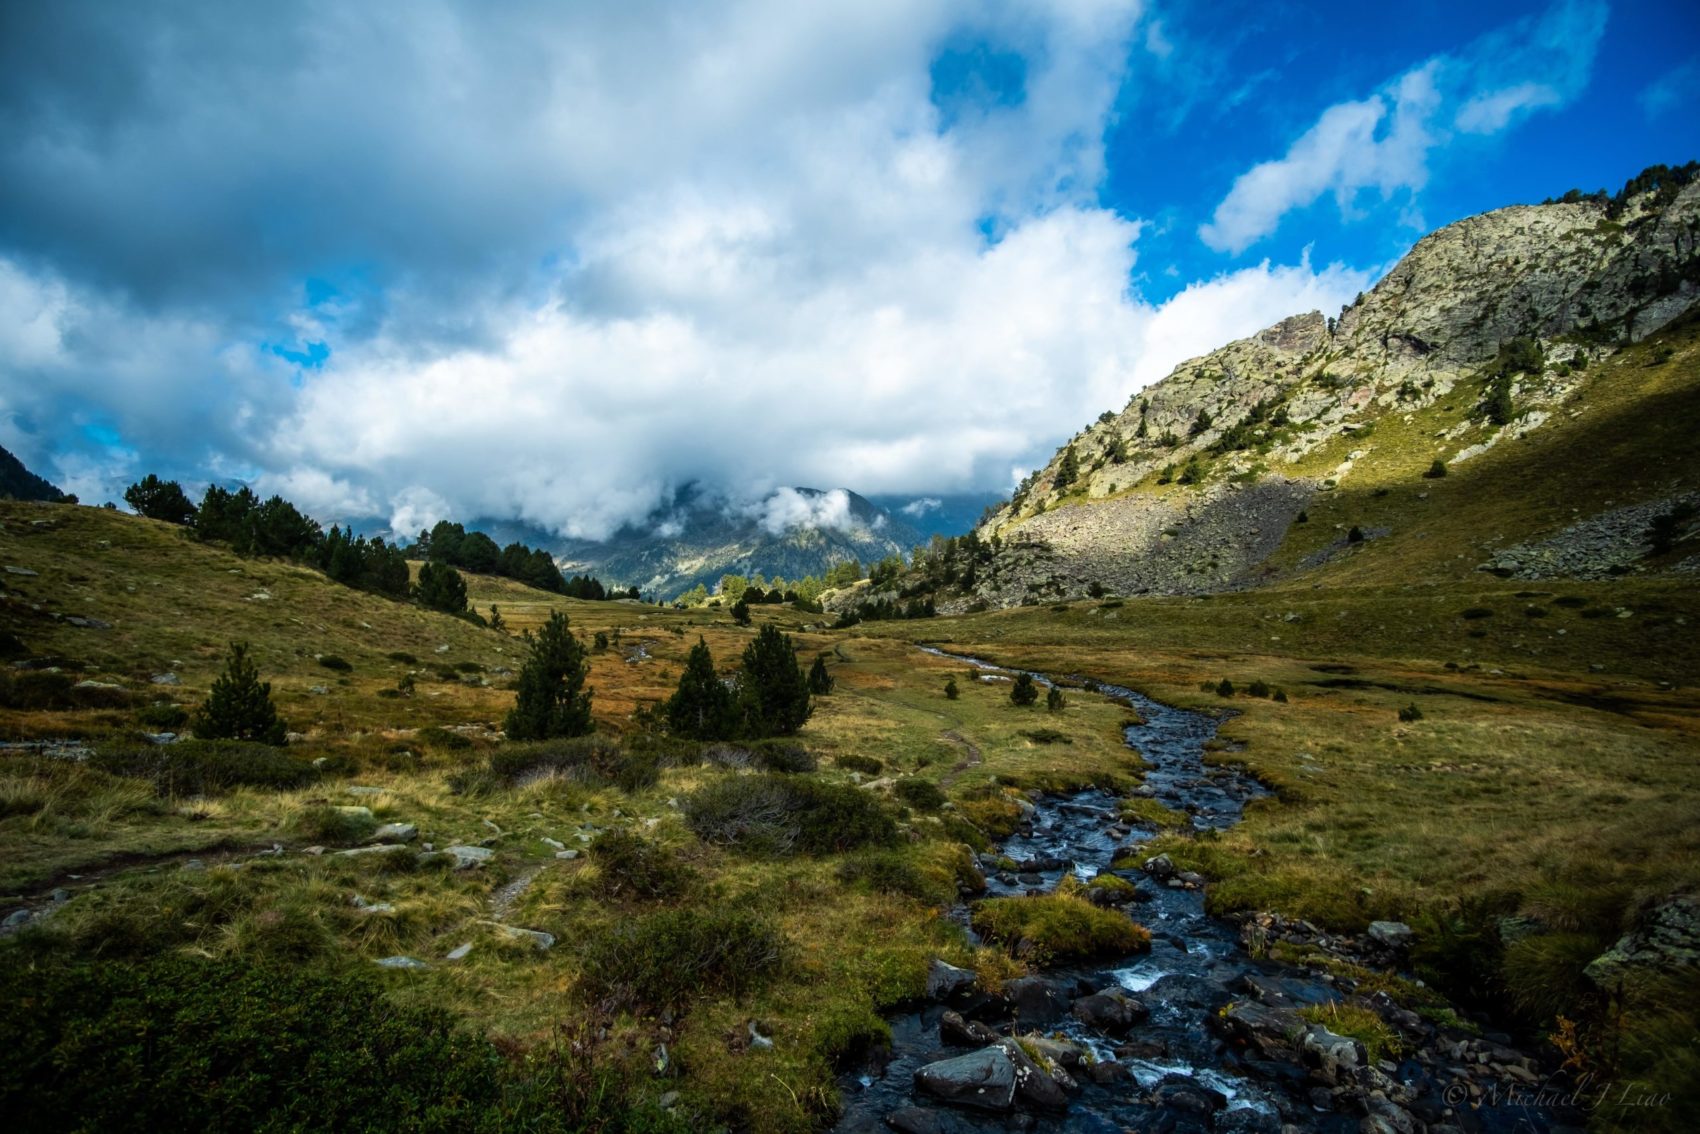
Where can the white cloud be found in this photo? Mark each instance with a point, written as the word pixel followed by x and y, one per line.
pixel 787 510
pixel 1384 142
pixel 1680 86
pixel 922 506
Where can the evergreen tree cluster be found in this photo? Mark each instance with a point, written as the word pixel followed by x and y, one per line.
pixel 452 544
pixel 442 588
pixel 770 696
pixel 365 564
pixel 160 500
pixel 251 526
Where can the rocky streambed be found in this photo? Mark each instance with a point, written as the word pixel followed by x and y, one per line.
pixel 1195 1034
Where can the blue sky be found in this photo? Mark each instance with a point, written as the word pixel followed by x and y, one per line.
pixel 546 263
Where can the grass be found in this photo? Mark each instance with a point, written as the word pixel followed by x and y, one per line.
pixel 1060 926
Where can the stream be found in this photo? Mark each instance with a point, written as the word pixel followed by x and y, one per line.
pixel 1186 1066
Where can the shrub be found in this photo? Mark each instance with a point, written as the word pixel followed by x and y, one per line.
pixel 403 657
pixel 239 705
pixel 334 824
pixel 1356 535
pixel 867 765
pixel 922 795
pixel 633 867
pixel 951 692
pixel 435 736
pixel 775 815
pixel 180 1043
pixel 441 588
pixel 1058 927
pixel 1224 688
pixel 206 767
pixel 1436 470
pixel 163 716
pixel 1475 613
pixel 552 700
pixel 1258 688
pixel 890 872
pixel 595 761
pixel 820 681
pixel 781 756
pixel 1046 736
pixel 1571 602
pixel 1410 713
pixel 1281 696
pixel 997 815
pixel 160 500
pixel 664 960
pixel 33 690
pixel 331 661
pixel 1054 700
pixel 1023 691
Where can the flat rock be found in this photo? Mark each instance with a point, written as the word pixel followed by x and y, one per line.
pixel 1036 1001
pixel 458 953
pixel 467 857
pixel 399 962
pixel 395 833
pixel 381 848
pixel 945 980
pixel 983 1080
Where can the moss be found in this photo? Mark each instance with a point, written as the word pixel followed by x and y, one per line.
pixel 1058 927
pixel 1358 1022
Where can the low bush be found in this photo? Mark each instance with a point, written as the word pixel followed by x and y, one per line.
pixel 206 767
pixel 334 825
pixel 1410 713
pixel 1474 613
pixel 162 716
pixel 596 761
pixel 331 661
pixel 664 960
pixel 630 866
pixel 179 1043
pixel 774 815
pixel 922 795
pixel 435 736
pixel 1046 736
pixel 891 872
pixel 403 657
pixel 867 765
pixel 993 812
pixel 58 692
pixel 1258 688
pixel 765 755
pixel 1057 927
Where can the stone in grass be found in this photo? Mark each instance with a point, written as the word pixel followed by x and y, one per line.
pixel 400 962
pixel 458 953
pixel 467 857
pixel 536 937
pixel 395 833
pixel 567 854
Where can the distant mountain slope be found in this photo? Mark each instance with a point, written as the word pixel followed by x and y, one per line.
pixel 791 533
pixel 18 483
pixel 1489 331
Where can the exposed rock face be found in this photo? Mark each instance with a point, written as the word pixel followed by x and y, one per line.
pixel 1130 521
pixel 1665 938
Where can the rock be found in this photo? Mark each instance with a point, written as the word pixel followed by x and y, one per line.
pixel 556 844
pixel 567 854
pixel 921 1120
pixel 1160 867
pixel 1179 1092
pixel 1190 880
pixel 538 938
pixel 380 848
pixel 1264 1028
pixel 1329 1054
pixel 953 1029
pixel 1664 939
pixel 1112 1013
pixel 164 679
pixel 945 980
pixel 1395 936
pixel 361 789
pixel 23 572
pixel 89 683
pixel 467 857
pixel 1034 1085
pixel 1108 1073
pixel 364 906
pixel 983 1080
pixel 17 919
pixel 458 953
pixel 395 833
pixel 399 962
pixel 1036 1001
pixel 758 1042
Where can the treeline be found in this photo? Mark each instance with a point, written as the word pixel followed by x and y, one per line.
pixel 754 589
pixel 1664 181
pixel 451 543
pixel 275 528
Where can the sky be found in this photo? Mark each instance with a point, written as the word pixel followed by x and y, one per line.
pixel 547 263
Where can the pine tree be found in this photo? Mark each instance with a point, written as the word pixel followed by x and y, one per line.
pixel 442 588
pixel 497 622
pixel 160 500
pixel 552 699
pixel 1068 469
pixel 741 612
pixel 1024 692
pixel 951 693
pixel 772 689
pixel 820 681
pixel 702 708
pixel 239 706
pixel 1054 700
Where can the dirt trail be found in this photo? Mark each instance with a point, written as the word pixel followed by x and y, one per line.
pixel 970 759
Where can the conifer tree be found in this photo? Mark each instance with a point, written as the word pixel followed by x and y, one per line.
pixel 552 699
pixel 772 689
pixel 160 500
pixel 1068 469
pixel 950 691
pixel 442 588
pixel 1023 692
pixel 702 708
pixel 1054 700
pixel 239 705
pixel 820 681
pixel 741 612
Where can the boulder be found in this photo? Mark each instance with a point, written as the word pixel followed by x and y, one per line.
pixel 1665 939
pixel 953 1029
pixel 1331 1056
pixel 1394 936
pixel 395 833
pixel 1034 1085
pixel 945 980
pixel 1183 1093
pixel 467 857
pixel 1112 1013
pixel 983 1080
pixel 399 962
pixel 1161 867
pixel 1036 1001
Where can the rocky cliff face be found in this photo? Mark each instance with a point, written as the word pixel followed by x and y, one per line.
pixel 1192 486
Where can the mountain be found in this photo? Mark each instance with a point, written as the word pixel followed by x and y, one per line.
pixel 18 483
pixel 1498 337
pixel 698 537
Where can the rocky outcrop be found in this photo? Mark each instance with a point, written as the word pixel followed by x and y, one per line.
pixel 1187 490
